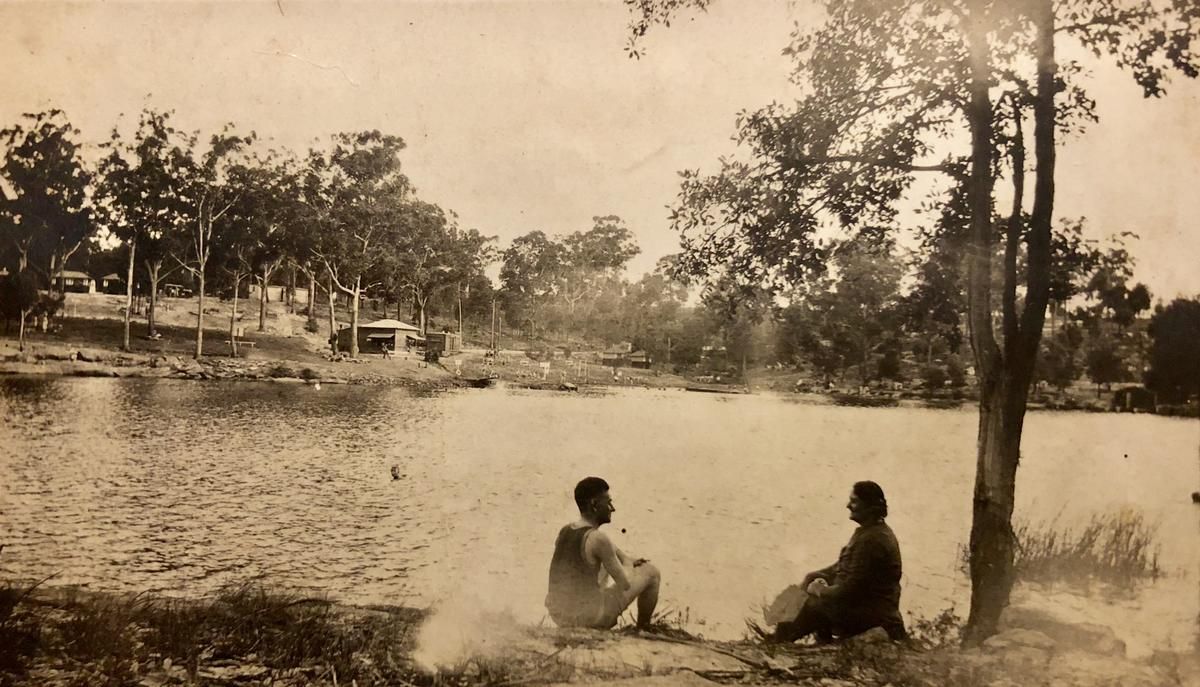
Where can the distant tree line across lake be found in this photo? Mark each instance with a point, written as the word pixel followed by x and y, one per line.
pixel 158 207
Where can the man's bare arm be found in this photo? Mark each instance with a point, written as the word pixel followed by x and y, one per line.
pixel 608 555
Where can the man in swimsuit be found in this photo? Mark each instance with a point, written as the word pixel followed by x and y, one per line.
pixel 862 589
pixel 577 596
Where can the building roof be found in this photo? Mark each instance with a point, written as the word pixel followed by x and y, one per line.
pixel 112 275
pixel 389 324
pixel 75 274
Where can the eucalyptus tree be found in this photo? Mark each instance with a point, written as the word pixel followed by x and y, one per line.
pixel 433 254
pixel 208 192
pixel 591 258
pixel 892 89
pixel 277 211
pixel 140 199
pixel 361 191
pixel 530 278
pixel 250 233
pixel 44 187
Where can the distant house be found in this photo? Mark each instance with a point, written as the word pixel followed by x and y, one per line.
pixel 373 335
pixel 444 343
pixel 640 360
pixel 176 291
pixel 111 283
pixel 76 282
pixel 1134 399
pixel 616 356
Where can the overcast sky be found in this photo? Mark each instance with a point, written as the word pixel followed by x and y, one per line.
pixel 528 115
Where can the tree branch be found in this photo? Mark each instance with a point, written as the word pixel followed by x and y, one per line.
pixel 877 162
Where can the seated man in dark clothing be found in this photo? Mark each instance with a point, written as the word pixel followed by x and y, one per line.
pixel 577 597
pixel 861 590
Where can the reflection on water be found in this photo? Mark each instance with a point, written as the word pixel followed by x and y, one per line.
pixel 178 486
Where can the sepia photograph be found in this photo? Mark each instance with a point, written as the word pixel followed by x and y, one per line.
pixel 518 343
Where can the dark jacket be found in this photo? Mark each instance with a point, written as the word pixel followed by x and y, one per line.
pixel 864 587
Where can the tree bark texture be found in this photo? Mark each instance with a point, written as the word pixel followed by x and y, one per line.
pixel 154 266
pixel 233 316
pixel 128 295
pixel 354 317
pixel 199 314
pixel 332 316
pixel 262 301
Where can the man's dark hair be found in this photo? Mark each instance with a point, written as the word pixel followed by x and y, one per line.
pixel 871 494
pixel 588 489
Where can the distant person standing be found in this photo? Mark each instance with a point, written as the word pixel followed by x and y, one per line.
pixel 576 595
pixel 862 589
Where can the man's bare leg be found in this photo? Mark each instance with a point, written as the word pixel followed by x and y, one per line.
pixel 643 586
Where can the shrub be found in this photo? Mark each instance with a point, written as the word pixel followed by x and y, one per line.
pixel 281 370
pixel 933 376
pixel 311 326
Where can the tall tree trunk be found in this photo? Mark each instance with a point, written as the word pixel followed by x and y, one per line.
pixel 200 314
pixel 312 288
pixel 991 542
pixel 21 330
pixel 354 317
pixel 128 295
pixel 262 301
pixel 153 266
pixel 292 289
pixel 1006 379
pixel 421 312
pixel 333 332
pixel 233 342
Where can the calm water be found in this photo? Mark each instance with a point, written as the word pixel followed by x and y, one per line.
pixel 178 487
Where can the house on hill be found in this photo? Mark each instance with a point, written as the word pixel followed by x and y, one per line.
pixel 372 335
pixel 76 282
pixel 625 355
pixel 111 283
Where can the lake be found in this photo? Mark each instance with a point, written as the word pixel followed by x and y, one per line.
pixel 177 487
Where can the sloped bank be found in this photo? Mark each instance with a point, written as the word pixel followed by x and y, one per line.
pixel 71 361
pixel 246 635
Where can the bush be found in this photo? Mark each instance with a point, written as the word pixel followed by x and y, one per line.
pixel 933 376
pixel 309 374
pixel 281 370
pixel 311 326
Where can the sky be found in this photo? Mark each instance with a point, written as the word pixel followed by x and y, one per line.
pixel 529 115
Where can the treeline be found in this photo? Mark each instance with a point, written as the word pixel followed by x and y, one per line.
pixel 164 206
pixel 224 211
pixel 869 316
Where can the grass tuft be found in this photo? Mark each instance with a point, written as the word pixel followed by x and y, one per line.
pixel 1115 548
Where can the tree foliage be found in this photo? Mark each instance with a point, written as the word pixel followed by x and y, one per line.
pixel 1174 365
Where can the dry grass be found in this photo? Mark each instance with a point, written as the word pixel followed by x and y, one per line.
pixel 1117 548
pixel 111 640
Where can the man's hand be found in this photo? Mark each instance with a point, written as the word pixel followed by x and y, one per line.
pixel 817 587
pixel 640 561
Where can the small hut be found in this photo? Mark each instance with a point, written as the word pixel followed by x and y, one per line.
pixel 445 343
pixel 373 335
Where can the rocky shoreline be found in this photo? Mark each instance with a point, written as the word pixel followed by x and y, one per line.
pixel 89 362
